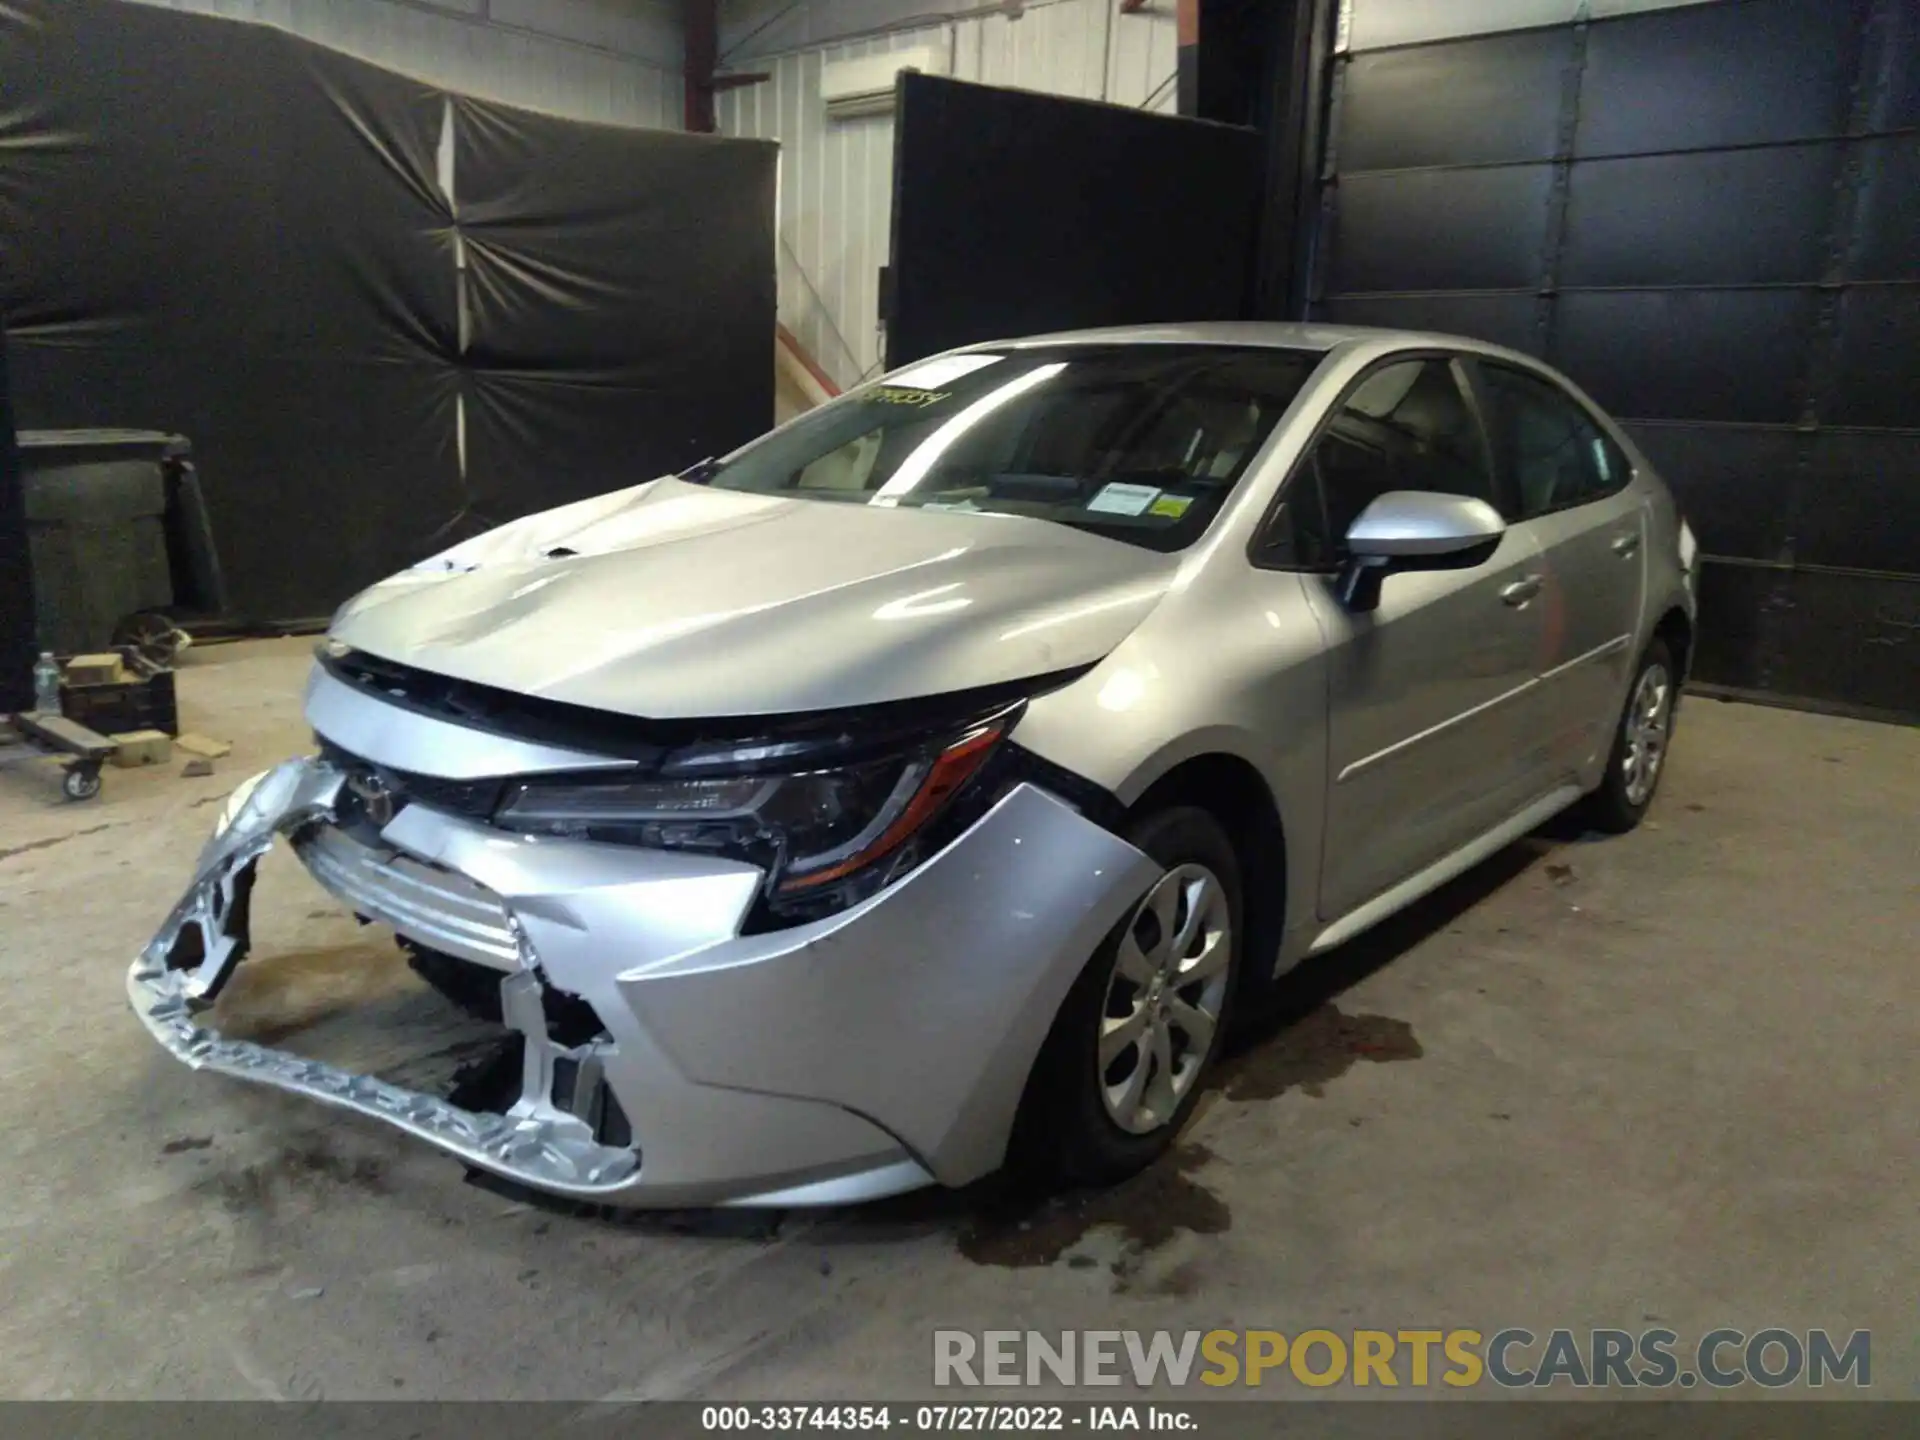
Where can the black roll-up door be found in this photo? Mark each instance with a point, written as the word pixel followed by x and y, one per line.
pixel 1709 216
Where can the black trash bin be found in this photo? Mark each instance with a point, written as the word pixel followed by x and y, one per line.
pixel 117 530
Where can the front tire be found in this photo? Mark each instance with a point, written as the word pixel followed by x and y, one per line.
pixel 1640 743
pixel 1125 1062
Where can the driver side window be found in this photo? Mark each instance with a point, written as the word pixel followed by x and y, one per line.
pixel 1407 426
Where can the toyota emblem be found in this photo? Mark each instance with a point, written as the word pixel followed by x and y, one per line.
pixel 375 795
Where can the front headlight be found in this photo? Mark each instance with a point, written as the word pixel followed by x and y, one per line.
pixel 833 835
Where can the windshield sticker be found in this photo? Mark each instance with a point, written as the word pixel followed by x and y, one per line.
pixel 1171 506
pixel 1123 499
pixel 895 395
pixel 935 373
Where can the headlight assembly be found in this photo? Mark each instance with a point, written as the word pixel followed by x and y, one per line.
pixel 826 836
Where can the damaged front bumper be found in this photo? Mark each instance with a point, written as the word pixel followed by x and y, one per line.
pixel 876 1051
pixel 180 975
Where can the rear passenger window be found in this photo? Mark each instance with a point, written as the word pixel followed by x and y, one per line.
pixel 1405 427
pixel 1554 451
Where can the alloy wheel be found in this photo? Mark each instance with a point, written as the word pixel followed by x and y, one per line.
pixel 1164 998
pixel 1649 722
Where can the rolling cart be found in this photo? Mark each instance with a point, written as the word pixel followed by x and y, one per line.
pixel 31 736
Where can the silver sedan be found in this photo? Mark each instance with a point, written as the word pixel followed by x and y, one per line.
pixel 928 784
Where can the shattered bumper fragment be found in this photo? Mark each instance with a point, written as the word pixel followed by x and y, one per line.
pixel 181 973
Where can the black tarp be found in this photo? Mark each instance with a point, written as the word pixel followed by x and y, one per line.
pixel 16 574
pixel 217 229
pixel 614 290
pixel 1015 213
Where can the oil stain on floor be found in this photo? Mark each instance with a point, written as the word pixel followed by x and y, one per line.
pixel 307 1166
pixel 1320 1047
pixel 1148 1211
pixel 1154 1206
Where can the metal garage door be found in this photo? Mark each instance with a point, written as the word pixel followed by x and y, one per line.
pixel 1709 215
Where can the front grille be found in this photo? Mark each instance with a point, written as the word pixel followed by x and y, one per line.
pixel 477 799
pixel 437 908
pixel 489 708
pixel 832 736
pixel 472 799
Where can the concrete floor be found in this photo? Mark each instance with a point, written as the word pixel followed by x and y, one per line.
pixel 1670 1078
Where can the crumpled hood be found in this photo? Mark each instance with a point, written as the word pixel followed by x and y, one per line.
pixel 682 602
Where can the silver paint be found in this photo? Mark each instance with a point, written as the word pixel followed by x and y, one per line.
pixel 1649 718
pixel 692 602
pixel 889 1045
pixel 1413 522
pixel 440 908
pixel 514 1146
pixel 1397 897
pixel 949 980
pixel 1164 998
pixel 1442 695
pixel 425 744
pixel 293 792
pixel 951 1011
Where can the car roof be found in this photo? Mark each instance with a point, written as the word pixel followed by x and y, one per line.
pixel 1279 335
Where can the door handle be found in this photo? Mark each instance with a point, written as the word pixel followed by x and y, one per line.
pixel 1520 591
pixel 1625 545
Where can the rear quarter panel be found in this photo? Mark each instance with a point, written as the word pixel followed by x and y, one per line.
pixel 1669 582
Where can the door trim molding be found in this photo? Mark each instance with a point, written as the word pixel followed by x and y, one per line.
pixel 1367 762
pixel 1599 652
pixel 1365 917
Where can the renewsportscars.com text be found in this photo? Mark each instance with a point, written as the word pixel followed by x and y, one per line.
pixel 1513 1358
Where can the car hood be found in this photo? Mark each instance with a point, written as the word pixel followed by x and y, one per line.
pixel 673 601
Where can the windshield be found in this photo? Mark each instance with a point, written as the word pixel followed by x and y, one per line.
pixel 1142 443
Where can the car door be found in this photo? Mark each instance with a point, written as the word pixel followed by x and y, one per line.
pixel 1427 743
pixel 1571 484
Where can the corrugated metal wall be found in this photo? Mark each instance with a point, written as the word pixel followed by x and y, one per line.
pixel 1376 24
pixel 616 61
pixel 836 177
pixel 1709 216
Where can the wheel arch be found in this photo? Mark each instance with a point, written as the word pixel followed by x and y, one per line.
pixel 1675 627
pixel 1231 788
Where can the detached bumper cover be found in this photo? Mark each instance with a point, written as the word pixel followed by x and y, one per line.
pixel 855 1057
pixel 206 937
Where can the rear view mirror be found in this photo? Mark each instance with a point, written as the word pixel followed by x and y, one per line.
pixel 1415 530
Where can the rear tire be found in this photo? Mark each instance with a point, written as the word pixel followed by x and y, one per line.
pixel 1140 1000
pixel 1641 740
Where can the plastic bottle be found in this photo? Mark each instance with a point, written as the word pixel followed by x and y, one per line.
pixel 46 685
